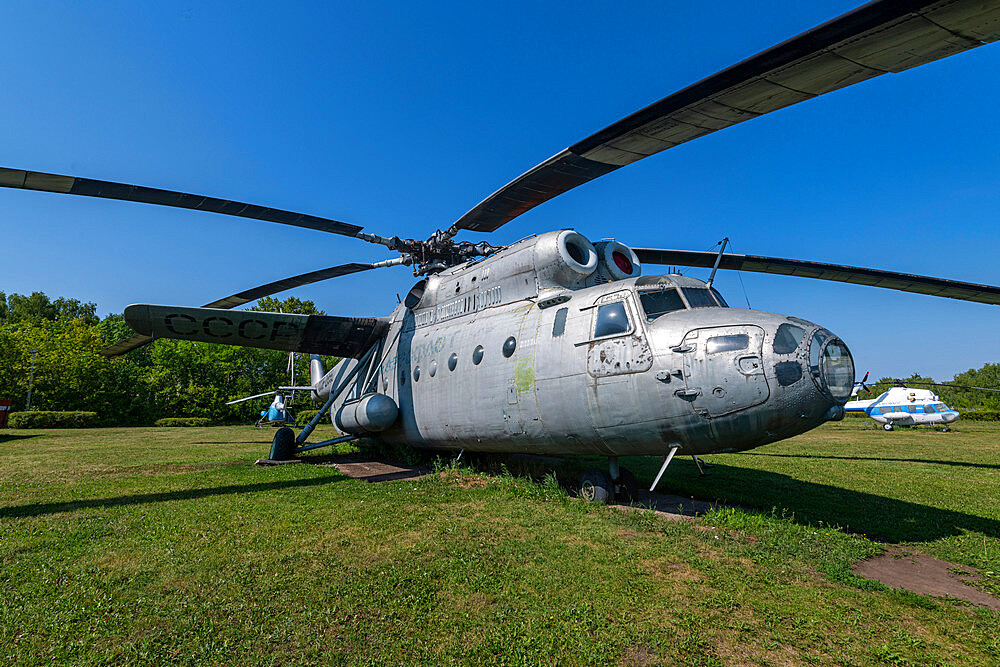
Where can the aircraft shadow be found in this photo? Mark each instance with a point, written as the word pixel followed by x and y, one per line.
pixel 39 509
pixel 9 438
pixel 992 466
pixel 877 517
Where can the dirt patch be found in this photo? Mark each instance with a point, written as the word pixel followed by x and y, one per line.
pixel 665 570
pixel 378 471
pixel 637 656
pixel 920 573
pixel 463 481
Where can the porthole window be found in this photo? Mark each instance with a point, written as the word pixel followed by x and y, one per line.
pixel 452 361
pixel 509 346
pixel 416 373
pixel 477 354
pixel 434 368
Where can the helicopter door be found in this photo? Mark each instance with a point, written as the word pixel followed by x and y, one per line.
pixel 616 352
pixel 723 369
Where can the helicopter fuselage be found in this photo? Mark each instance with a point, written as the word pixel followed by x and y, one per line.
pixel 486 357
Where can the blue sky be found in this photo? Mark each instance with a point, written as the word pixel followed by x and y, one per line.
pixel 402 116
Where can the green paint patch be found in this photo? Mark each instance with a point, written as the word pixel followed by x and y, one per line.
pixel 524 375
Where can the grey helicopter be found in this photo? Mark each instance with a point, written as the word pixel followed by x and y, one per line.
pixel 559 345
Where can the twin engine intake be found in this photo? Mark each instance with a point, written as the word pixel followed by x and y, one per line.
pixel 568 259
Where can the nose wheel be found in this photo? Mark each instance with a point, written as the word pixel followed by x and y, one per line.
pixel 887 426
pixel 597 486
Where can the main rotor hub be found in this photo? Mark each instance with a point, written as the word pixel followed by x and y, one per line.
pixel 439 252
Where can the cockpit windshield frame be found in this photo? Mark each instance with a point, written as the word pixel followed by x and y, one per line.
pixel 658 302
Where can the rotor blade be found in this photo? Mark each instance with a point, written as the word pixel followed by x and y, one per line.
pixel 42 182
pixel 250 398
pixel 876 38
pixel 319 334
pixel 255 293
pixel 905 282
pixel 127 345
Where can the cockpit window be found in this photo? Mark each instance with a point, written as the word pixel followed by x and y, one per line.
pixel 787 338
pixel 611 320
pixel 699 297
pixel 718 297
pixel 660 302
pixel 727 343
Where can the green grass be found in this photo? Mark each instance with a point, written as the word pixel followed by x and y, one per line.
pixel 128 546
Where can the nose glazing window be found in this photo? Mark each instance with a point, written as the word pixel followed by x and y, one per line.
pixel 787 338
pixel 838 370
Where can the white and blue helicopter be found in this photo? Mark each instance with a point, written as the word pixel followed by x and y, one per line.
pixel 906 406
pixel 282 410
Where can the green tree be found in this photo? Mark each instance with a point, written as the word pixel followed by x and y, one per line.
pixel 36 307
pixel 270 304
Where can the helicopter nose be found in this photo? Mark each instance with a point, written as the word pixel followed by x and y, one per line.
pixel 811 374
pixel 950 416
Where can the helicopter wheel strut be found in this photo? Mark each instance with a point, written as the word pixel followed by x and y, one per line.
pixel 887 426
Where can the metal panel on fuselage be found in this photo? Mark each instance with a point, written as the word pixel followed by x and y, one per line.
pixel 486 406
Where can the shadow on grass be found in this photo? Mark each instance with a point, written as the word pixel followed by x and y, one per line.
pixel 5 437
pixel 39 509
pixel 878 517
pixel 992 466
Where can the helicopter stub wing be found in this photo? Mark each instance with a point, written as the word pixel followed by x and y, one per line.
pixel 246 296
pixel 319 334
pixel 905 282
pixel 877 38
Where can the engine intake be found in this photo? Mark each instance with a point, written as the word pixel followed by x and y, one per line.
pixel 617 261
pixel 565 258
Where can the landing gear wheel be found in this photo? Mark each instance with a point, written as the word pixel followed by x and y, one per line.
pixel 945 429
pixel 596 487
pixel 627 486
pixel 887 427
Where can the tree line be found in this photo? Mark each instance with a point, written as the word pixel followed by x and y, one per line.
pixel 167 378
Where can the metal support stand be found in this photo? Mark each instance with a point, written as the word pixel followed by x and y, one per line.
pixel 459 457
pixel 613 469
pixel 702 465
pixel 326 443
pixel 666 461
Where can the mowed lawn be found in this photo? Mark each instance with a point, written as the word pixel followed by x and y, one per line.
pixel 143 545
